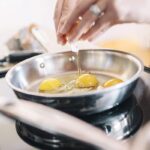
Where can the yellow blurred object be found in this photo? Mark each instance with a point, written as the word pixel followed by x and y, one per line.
pixel 50 84
pixel 130 46
pixel 121 44
pixel 131 38
pixel 87 81
pixel 112 82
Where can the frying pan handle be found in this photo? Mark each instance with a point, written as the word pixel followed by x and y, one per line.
pixel 20 56
pixel 54 121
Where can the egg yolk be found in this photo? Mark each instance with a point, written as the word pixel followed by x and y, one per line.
pixel 86 81
pixel 112 82
pixel 50 84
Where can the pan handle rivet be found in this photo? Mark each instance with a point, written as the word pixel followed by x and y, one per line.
pixel 42 65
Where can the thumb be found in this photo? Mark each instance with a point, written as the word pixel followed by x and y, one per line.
pixel 68 6
pixel 58 12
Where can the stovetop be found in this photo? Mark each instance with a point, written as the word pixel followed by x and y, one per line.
pixel 122 122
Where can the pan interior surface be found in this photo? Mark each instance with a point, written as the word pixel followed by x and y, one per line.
pixel 104 63
pixel 68 81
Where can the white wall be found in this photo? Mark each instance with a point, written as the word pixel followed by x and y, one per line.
pixel 15 14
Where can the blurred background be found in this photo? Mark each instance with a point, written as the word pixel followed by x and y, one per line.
pixel 16 14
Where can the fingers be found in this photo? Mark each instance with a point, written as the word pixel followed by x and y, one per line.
pixel 78 11
pixel 89 26
pixel 87 21
pixel 61 39
pixel 68 6
pixel 57 18
pixel 58 12
pixel 104 22
pixel 82 27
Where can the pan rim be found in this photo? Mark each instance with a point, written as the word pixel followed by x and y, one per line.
pixel 139 63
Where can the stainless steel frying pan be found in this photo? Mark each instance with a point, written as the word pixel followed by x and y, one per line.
pixel 120 64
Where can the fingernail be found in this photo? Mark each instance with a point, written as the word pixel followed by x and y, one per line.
pixel 61 29
pixel 61 39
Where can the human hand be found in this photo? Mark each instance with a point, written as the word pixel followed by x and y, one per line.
pixel 62 11
pixel 67 15
pixel 92 24
pixel 85 28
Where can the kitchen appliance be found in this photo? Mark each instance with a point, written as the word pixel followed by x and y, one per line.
pixel 106 62
pixel 13 58
pixel 120 123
